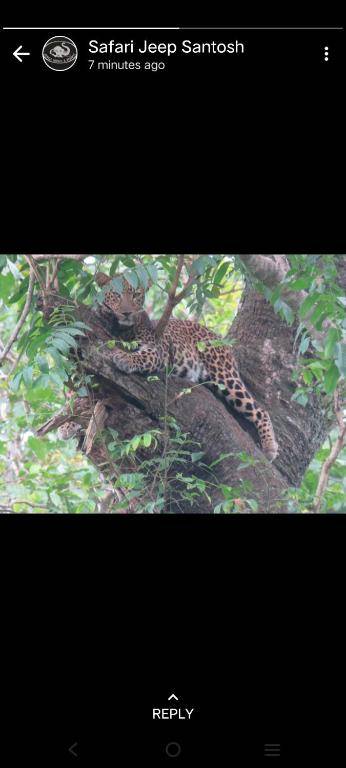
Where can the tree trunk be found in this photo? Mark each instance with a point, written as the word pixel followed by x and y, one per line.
pixel 265 352
pixel 134 405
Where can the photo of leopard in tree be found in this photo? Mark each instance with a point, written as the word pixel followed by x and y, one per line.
pixel 172 384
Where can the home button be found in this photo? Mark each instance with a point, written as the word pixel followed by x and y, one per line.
pixel 173 749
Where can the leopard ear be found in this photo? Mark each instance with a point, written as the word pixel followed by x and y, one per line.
pixel 102 279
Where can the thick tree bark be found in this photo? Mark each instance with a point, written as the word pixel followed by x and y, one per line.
pixel 139 405
pixel 265 352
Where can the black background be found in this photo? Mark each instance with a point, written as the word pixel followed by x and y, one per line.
pixel 104 617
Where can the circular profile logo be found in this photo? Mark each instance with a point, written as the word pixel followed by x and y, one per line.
pixel 59 53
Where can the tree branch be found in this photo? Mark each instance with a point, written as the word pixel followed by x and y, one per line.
pixel 28 257
pixel 137 406
pixel 271 270
pixel 95 426
pixel 54 283
pixel 171 301
pixel 335 451
pixel 22 318
pixel 173 297
pixel 53 256
pixel 10 355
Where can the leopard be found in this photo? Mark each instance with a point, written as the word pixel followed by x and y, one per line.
pixel 188 350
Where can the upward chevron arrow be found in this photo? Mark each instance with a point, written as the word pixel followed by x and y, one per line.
pixel 172 696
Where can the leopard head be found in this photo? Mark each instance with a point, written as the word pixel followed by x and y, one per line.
pixel 125 305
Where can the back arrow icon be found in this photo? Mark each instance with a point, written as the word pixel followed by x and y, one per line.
pixel 18 53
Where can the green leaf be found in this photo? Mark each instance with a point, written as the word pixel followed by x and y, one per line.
pixel 14 384
pixel 332 338
pixel 35 344
pixel 319 313
pixel 152 272
pixel 42 364
pixel 134 444
pixel 132 278
pixel 318 365
pixel 253 504
pixel 60 344
pixel 100 296
pixel 69 340
pixel 304 344
pixel 221 458
pixel 69 331
pixel 80 324
pixel 301 284
pixel 287 313
pixel 39 447
pixel 197 455
pixel 147 438
pixel 341 357
pixel 118 284
pixel 113 432
pixel 221 342
pixel 275 297
pixel 55 499
pixel 82 392
pixel 21 290
pixel 142 275
pixel 7 284
pixel 40 395
pixel 57 357
pixel 114 266
pixel 58 376
pixel 15 271
pixel 221 272
pixel 307 304
pixel 42 381
pixel 300 397
pixel 27 375
pixel 200 265
pixel 331 379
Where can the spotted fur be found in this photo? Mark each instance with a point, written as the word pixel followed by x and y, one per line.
pixel 69 429
pixel 188 350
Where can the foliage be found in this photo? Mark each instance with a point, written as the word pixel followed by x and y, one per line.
pixel 334 500
pixel 324 367
pixel 41 475
pixel 173 475
pixel 48 474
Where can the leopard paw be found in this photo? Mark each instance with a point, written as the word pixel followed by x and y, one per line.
pixel 121 361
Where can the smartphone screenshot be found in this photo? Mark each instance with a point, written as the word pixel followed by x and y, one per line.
pixel 172 393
